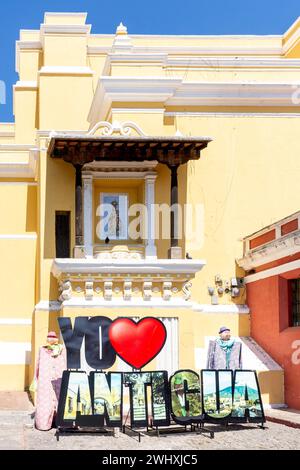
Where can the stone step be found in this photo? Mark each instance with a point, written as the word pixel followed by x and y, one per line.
pixel 288 417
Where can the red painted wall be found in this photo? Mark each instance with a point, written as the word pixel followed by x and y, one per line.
pixel 268 300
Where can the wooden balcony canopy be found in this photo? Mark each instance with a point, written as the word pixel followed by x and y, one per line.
pixel 172 151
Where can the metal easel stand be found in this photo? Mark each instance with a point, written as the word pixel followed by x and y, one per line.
pixel 126 426
pixel 130 428
pixel 77 430
pixel 201 429
pixel 173 428
pixel 261 425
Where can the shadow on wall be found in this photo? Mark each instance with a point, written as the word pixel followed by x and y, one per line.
pixel 31 209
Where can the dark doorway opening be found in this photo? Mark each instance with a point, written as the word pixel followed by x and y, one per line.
pixel 62 234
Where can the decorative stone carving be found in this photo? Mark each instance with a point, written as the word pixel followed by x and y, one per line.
pixel 119 252
pixel 66 291
pixel 124 128
pixel 122 42
pixel 147 290
pixel 127 290
pixel 108 290
pixel 89 291
pixel 186 290
pixel 167 286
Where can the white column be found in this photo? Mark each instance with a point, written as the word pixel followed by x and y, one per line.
pixel 150 250
pixel 88 215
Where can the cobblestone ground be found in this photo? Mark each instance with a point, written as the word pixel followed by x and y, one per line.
pixel 17 432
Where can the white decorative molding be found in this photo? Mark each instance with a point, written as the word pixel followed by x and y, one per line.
pixel 67 14
pixel 167 292
pixel 15 321
pixel 283 268
pixel 7 134
pixel 48 305
pixel 124 128
pixel 192 50
pixel 192 62
pixel 15 168
pixel 15 353
pixel 66 291
pixel 82 29
pixel 177 92
pixel 150 248
pixel 47 133
pixel 177 302
pixel 133 59
pixel 122 42
pixel 26 85
pixel 17 147
pixel 10 183
pixel 65 70
pixel 25 44
pixel 118 254
pixel 18 236
pixel 127 290
pixel 129 89
pixel 147 290
pixel 137 110
pixel 123 266
pixel 282 247
pixel 234 94
pixel 142 167
pixel 233 62
pixel 186 290
pixel 134 302
pixel 89 290
pixel 222 308
pixel 231 114
pixel 108 290
pixel 293 38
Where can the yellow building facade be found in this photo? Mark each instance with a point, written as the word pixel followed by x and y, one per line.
pixel 102 117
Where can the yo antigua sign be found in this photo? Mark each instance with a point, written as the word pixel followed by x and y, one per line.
pixel 186 397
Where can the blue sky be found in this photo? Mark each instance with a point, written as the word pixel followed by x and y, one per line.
pixel 143 17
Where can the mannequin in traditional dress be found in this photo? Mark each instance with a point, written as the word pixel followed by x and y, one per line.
pixel 50 365
pixel 225 352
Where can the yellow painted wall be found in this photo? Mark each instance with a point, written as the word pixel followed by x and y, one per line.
pixel 30 62
pixel 241 182
pixel 26 122
pixel 17 277
pixel 14 377
pixel 60 93
pixel 65 51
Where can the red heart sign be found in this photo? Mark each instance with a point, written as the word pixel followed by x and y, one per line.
pixel 137 343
